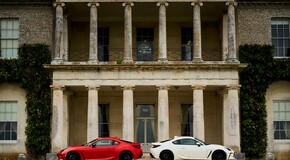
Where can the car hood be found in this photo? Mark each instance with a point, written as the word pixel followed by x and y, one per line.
pixel 217 146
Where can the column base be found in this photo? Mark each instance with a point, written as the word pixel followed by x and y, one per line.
pixel 162 61
pixel 197 60
pixel 126 61
pixel 232 60
pixel 93 61
pixel 57 61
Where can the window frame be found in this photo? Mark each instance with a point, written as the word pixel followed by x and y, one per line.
pixel 186 43
pixel 277 40
pixel 12 111
pixel 189 123
pixel 10 38
pixel 104 125
pixel 287 130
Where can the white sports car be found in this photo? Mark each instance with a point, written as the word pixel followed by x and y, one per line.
pixel 189 148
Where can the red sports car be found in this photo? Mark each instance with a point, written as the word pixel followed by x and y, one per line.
pixel 109 148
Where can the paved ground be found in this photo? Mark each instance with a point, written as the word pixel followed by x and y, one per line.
pixel 146 156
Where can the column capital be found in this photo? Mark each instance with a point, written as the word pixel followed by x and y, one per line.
pixel 196 3
pixel 231 3
pixel 162 3
pixel 198 86
pixel 58 4
pixel 127 3
pixel 163 87
pixel 93 87
pixel 233 87
pixel 128 87
pixel 57 87
pixel 91 4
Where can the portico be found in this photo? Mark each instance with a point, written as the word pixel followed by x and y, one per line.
pixel 162 85
pixel 152 67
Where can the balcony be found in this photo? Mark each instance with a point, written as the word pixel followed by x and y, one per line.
pixel 116 55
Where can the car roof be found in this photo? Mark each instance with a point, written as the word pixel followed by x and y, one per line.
pixel 116 138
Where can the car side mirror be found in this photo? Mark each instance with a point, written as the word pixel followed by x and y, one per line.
pixel 93 145
pixel 198 144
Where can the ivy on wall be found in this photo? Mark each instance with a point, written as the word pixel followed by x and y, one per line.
pixel 29 73
pixel 262 70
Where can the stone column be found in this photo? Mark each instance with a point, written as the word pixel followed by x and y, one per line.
pixel 162 43
pixel 163 112
pixel 197 32
pixel 128 113
pixel 225 38
pixel 93 58
pixel 66 101
pixel 231 120
pixel 128 32
pixel 232 55
pixel 93 113
pixel 58 43
pixel 198 111
pixel 65 39
pixel 57 129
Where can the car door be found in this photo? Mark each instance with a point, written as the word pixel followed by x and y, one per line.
pixel 101 149
pixel 188 148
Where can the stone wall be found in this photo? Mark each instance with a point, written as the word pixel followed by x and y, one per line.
pixel 35 22
pixel 254 22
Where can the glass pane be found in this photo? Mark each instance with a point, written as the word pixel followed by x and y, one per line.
pixel 2 117
pixel 10 24
pixel 9 43
pixel 280 32
pixel 15 34
pixel 282 106
pixel 3 34
pixel 140 130
pixel 3 24
pixel 2 124
pixel 274 32
pixel 287 116
pixel 9 33
pixel 16 24
pixel 3 43
pixel 150 131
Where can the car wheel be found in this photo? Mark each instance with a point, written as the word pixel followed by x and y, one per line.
pixel 73 156
pixel 218 155
pixel 126 155
pixel 166 155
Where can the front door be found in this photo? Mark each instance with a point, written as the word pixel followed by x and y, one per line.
pixel 145 125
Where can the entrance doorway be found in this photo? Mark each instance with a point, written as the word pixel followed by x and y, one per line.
pixel 145 125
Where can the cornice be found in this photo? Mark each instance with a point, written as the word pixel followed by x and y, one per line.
pixel 197 66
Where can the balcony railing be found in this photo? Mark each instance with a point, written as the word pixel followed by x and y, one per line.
pixel 117 54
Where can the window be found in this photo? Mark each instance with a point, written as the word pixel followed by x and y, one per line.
pixel 185 142
pixel 103 44
pixel 9 38
pixel 280 37
pixel 104 120
pixel 8 120
pixel 187 120
pixel 104 143
pixel 145 37
pixel 281 118
pixel 186 44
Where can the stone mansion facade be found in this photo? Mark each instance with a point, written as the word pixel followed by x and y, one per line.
pixel 143 70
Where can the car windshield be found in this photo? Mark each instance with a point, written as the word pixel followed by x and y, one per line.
pixel 90 143
pixel 166 140
pixel 201 141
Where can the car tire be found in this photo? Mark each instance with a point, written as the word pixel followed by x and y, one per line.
pixel 166 155
pixel 219 155
pixel 73 156
pixel 126 155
